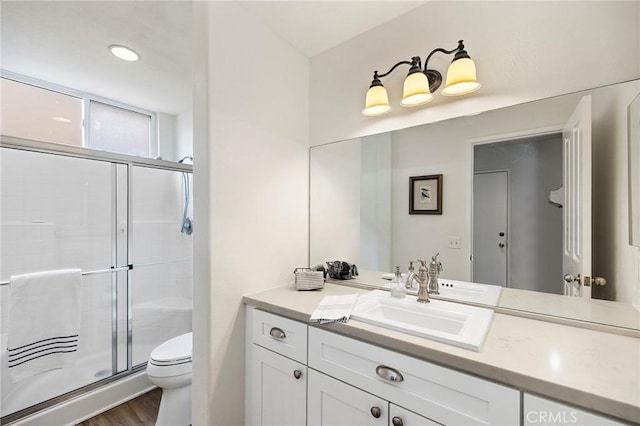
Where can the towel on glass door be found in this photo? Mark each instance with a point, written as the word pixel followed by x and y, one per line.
pixel 43 323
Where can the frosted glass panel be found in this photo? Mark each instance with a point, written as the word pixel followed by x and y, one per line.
pixel 32 112
pixel 162 278
pixel 56 212
pixel 158 207
pixel 94 352
pixel 118 130
pixel 162 305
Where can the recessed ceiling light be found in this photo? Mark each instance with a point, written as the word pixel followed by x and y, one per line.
pixel 61 119
pixel 124 53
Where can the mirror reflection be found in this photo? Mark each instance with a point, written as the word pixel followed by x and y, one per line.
pixel 531 194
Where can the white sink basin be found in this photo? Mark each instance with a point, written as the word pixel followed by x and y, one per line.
pixel 453 323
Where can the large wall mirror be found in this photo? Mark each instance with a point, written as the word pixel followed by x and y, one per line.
pixel 514 181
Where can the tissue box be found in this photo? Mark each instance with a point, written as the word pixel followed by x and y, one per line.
pixel 308 279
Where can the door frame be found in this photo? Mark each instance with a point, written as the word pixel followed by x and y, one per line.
pixel 495 138
pixel 507 227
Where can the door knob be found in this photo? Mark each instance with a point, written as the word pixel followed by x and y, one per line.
pixel 571 278
pixel 375 412
pixel 501 245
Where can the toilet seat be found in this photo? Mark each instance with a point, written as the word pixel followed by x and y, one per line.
pixel 171 358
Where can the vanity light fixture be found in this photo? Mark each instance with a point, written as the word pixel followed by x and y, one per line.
pixel 421 83
pixel 123 53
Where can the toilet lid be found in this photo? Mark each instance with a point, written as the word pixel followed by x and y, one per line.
pixel 174 350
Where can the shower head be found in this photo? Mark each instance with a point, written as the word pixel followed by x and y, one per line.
pixel 186 157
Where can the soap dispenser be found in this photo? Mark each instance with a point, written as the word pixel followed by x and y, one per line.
pixel 397 286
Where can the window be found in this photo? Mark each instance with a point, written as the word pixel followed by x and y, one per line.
pixel 119 130
pixel 31 112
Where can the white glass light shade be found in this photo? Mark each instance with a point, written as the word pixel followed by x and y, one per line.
pixel 416 90
pixel 377 101
pixel 461 78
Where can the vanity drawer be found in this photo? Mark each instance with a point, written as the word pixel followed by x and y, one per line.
pixel 281 335
pixel 446 396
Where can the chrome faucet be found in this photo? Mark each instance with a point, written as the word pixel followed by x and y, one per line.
pixel 435 267
pixel 422 277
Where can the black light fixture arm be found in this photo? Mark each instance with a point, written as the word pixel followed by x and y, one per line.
pixel 410 63
pixel 434 77
pixel 460 48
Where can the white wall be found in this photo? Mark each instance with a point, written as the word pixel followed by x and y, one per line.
pixel 613 257
pixel 516 61
pixel 256 204
pixel 375 203
pixel 184 135
pixel 166 131
pixel 335 203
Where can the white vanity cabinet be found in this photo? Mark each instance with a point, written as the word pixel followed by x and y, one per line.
pixel 537 410
pixel 332 402
pixel 276 384
pixel 437 393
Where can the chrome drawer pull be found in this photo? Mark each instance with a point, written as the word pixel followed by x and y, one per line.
pixel 388 373
pixel 277 333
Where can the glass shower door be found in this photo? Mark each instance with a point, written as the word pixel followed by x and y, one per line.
pixel 161 254
pixel 58 212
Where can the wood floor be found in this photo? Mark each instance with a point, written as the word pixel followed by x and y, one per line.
pixel 141 411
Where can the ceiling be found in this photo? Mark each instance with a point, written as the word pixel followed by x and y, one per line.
pixel 65 42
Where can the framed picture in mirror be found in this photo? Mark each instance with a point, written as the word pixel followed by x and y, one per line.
pixel 425 194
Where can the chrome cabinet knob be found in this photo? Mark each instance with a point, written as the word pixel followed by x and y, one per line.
pixel 397 421
pixel 297 374
pixel 375 412
pixel 501 245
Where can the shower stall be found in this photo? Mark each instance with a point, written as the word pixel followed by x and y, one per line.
pixel 125 221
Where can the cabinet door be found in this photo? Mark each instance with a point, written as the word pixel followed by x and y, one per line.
pixel 334 403
pixel 277 393
pixel 399 416
pixel 544 411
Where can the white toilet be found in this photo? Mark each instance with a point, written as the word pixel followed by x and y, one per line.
pixel 170 368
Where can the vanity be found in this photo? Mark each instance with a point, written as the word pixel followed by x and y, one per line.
pixel 355 373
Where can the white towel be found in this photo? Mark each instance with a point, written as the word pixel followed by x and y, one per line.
pixel 44 322
pixel 334 309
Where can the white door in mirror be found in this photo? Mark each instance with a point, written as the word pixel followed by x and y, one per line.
pixel 576 149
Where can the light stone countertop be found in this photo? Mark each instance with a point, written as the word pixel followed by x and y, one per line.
pixel 590 369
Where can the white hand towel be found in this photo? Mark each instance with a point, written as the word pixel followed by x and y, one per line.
pixel 334 309
pixel 44 322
